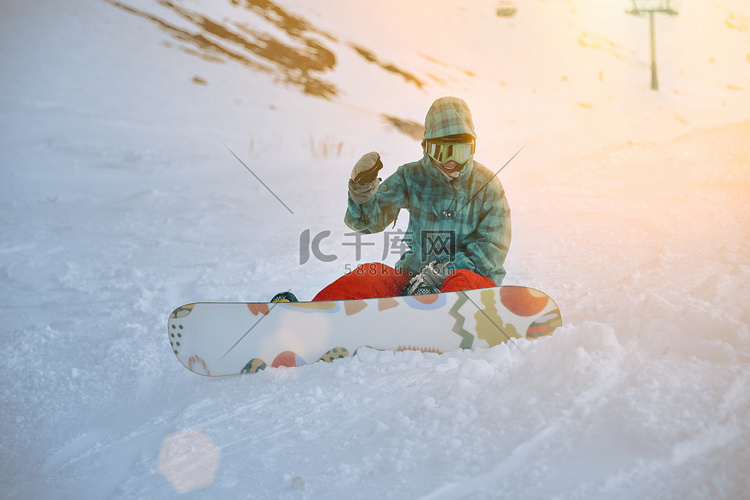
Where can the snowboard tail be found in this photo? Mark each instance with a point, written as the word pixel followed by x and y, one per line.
pixel 219 338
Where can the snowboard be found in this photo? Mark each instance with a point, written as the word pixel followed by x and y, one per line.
pixel 216 339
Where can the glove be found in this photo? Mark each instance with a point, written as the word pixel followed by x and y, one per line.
pixel 429 280
pixel 364 180
pixel 435 273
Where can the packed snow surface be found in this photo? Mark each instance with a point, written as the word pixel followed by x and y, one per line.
pixel 120 200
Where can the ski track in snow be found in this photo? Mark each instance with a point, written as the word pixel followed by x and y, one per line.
pixel 120 202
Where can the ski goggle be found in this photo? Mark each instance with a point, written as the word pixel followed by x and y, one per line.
pixel 443 152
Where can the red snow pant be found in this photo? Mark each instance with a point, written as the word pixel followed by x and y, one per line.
pixel 376 280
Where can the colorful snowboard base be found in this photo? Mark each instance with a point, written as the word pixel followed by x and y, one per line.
pixel 218 339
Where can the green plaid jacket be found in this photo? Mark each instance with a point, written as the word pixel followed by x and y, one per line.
pixel 465 221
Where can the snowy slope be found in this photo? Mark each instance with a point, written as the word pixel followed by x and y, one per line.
pixel 119 201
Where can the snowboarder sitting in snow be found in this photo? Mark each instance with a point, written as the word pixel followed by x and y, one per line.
pixel 459 220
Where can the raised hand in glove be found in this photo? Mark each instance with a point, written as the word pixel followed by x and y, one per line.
pixel 364 181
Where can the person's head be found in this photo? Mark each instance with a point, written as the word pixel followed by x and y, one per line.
pixel 449 138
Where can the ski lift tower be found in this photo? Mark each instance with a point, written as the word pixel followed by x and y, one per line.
pixel 650 7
